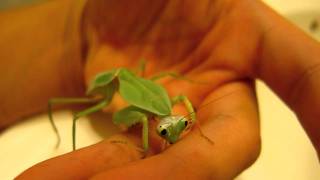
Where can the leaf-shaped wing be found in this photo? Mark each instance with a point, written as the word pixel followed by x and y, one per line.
pixel 109 91
pixel 99 84
pixel 144 93
pixel 128 116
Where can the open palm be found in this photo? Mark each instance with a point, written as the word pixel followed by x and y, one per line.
pixel 212 42
pixel 208 41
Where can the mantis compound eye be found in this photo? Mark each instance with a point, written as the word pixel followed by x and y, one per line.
pixel 186 123
pixel 163 132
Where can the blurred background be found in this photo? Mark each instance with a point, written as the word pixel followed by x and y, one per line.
pixel 7 4
pixel 286 151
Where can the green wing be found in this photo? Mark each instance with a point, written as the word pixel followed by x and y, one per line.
pixel 101 81
pixel 129 116
pixel 144 93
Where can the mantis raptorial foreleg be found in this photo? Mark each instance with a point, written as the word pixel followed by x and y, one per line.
pixel 145 132
pixel 183 99
pixel 132 115
pixel 85 112
pixel 55 101
pixel 191 112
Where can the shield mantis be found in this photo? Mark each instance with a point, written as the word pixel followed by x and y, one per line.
pixel 145 98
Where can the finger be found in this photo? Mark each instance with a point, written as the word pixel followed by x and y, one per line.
pixel 232 123
pixel 83 163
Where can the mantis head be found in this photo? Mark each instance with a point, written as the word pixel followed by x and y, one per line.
pixel 171 127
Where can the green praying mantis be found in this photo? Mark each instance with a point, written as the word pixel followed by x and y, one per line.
pixel 145 97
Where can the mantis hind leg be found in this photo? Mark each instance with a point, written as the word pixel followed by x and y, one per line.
pixel 141 68
pixel 85 112
pixel 55 101
pixel 175 76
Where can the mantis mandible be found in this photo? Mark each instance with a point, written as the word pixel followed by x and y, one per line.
pixel 145 98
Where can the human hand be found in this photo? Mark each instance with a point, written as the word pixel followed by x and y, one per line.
pixel 208 41
pixel 200 53
pixel 198 40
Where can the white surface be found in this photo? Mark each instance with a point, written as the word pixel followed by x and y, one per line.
pixel 33 140
pixel 286 153
pixel 289 6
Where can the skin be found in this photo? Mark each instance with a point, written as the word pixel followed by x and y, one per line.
pixel 225 42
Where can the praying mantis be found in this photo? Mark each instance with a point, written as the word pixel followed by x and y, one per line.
pixel 145 98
